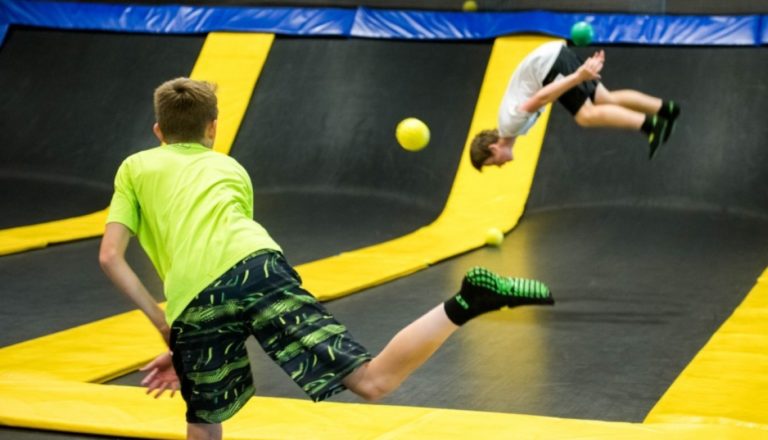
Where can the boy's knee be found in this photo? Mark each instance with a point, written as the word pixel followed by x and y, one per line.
pixel 367 386
pixel 586 116
pixel 371 393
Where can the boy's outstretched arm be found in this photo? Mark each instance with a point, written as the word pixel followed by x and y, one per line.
pixel 161 376
pixel 588 71
pixel 113 263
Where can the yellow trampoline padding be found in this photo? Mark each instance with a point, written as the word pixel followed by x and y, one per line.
pixel 727 381
pixel 24 238
pixel 94 352
pixel 127 411
pixel 231 60
pixel 478 201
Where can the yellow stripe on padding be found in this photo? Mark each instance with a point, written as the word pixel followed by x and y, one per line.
pixel 727 381
pixel 233 62
pixel 478 201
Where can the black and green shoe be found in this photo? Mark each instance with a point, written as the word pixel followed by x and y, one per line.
pixel 658 128
pixel 484 291
pixel 672 110
pixel 506 291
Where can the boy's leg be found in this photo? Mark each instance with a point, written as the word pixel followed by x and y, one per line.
pixel 201 431
pixel 641 102
pixel 482 291
pixel 631 99
pixel 609 115
pixel 408 350
pixel 608 112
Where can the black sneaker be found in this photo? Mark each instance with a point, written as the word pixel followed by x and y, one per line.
pixel 673 110
pixel 659 126
pixel 506 291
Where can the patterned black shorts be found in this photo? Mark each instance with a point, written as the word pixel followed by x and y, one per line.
pixel 260 296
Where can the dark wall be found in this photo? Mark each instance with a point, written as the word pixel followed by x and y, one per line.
pixel 324 112
pixel 717 157
pixel 74 105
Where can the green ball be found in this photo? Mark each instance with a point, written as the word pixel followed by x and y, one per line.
pixel 582 33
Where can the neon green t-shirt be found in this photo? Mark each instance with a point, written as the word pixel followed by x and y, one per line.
pixel 192 211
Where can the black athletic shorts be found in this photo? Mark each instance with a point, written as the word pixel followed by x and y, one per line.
pixel 260 296
pixel 566 63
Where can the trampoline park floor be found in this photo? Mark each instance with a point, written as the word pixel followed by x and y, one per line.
pixel 639 288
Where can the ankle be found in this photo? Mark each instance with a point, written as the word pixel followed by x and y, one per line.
pixel 648 124
pixel 669 109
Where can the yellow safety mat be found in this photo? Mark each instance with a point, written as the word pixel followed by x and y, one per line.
pixel 231 60
pixel 128 411
pixel 727 381
pixel 24 238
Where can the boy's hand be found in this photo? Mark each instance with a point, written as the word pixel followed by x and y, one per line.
pixel 162 376
pixel 591 68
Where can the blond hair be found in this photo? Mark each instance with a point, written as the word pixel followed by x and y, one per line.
pixel 183 109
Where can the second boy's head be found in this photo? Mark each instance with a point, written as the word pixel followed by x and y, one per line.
pixel 186 111
pixel 488 148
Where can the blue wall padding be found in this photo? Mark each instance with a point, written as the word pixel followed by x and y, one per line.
pixel 377 23
pixel 609 28
pixel 177 19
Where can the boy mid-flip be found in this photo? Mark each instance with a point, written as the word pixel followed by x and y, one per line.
pixel 553 72
pixel 226 279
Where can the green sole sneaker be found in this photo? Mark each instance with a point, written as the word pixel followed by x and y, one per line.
pixel 674 110
pixel 508 291
pixel 654 139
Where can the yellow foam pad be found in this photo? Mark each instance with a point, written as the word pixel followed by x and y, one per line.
pixel 231 60
pixel 127 411
pixel 24 238
pixel 727 381
pixel 94 352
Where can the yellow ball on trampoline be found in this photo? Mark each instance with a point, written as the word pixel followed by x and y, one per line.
pixel 412 134
pixel 494 237
pixel 469 6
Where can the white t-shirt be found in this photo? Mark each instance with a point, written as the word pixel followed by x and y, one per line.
pixel 526 81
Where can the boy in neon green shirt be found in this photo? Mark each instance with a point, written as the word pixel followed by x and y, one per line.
pixel 226 279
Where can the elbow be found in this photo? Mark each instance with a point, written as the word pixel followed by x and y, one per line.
pixel 108 257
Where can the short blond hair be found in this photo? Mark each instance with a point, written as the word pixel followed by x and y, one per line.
pixel 479 151
pixel 184 107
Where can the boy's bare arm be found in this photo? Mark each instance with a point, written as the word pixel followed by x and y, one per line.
pixel 590 70
pixel 113 263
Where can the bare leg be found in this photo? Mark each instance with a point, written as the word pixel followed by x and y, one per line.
pixel 201 431
pixel 630 99
pixel 609 115
pixel 408 350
